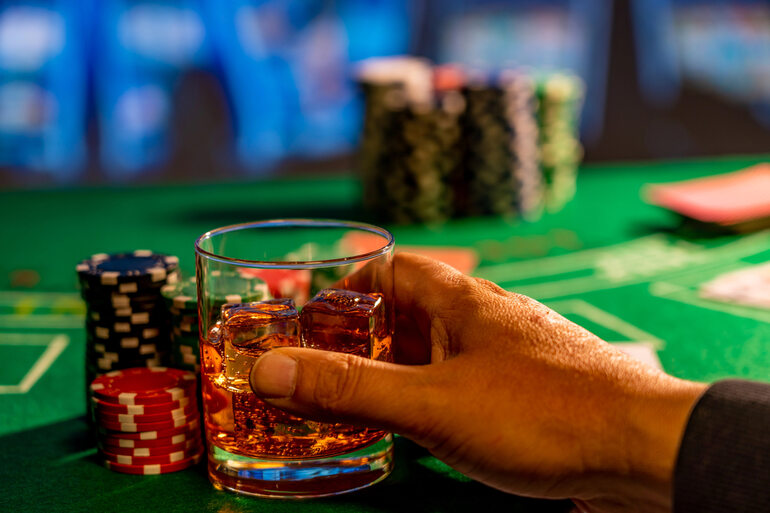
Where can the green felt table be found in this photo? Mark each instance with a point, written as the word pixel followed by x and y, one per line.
pixel 608 261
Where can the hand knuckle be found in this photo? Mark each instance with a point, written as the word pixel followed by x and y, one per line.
pixel 490 286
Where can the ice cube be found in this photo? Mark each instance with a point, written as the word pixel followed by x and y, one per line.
pixel 347 322
pixel 250 329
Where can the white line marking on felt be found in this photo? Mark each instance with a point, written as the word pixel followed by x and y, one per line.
pixel 642 351
pixel 54 348
pixel 615 259
pixel 13 296
pixel 607 320
pixel 569 262
pixel 560 288
pixel 16 321
pixel 687 296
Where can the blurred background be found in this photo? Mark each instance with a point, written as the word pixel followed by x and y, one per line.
pixel 101 91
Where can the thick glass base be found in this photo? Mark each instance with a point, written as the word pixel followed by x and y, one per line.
pixel 301 478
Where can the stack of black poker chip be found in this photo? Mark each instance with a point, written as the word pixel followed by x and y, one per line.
pixel 448 82
pixel 382 99
pixel 182 303
pixel 465 144
pixel 520 105
pixel 400 151
pixel 559 99
pixel 127 322
pixel 501 174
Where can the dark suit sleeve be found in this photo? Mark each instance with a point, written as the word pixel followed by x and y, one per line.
pixel 724 458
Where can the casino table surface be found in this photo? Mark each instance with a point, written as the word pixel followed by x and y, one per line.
pixel 623 269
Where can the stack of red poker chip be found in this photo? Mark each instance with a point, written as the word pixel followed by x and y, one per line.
pixel 147 420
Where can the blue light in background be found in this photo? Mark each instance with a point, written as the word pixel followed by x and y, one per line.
pixel 141 51
pixel 284 68
pixel 42 87
pixel 287 68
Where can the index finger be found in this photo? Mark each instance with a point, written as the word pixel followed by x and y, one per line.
pixel 420 285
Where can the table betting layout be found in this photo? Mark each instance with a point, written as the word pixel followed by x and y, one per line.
pixel 625 270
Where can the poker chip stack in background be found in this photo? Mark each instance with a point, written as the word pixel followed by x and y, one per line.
pixel 465 143
pixel 520 108
pixel 488 186
pixel 447 131
pixel 126 318
pixel 147 420
pixel 559 98
pixel 403 178
pixel 182 302
pixel 384 97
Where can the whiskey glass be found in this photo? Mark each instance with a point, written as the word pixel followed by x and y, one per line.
pixel 301 283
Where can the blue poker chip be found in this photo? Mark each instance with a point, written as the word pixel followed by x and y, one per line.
pixel 112 270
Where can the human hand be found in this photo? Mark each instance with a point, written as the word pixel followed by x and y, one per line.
pixel 504 390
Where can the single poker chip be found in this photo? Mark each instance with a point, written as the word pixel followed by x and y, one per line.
pixel 191 319
pixel 171 457
pixel 110 312
pixel 126 359
pixel 144 386
pixel 181 349
pixel 111 362
pixel 132 319
pixel 183 312
pixel 184 335
pixel 132 287
pixel 126 345
pixel 141 353
pixel 123 418
pixel 138 427
pixel 109 332
pixel 187 430
pixel 182 295
pixel 187 445
pixel 185 350
pixel 103 297
pixel 129 355
pixel 187 360
pixel 141 409
pixel 137 286
pixel 107 364
pixel 180 439
pixel 117 268
pixel 123 301
pixel 187 327
pixel 158 468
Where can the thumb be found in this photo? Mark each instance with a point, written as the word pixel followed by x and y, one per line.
pixel 339 387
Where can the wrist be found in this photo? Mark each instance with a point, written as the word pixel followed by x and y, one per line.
pixel 654 427
pixel 632 468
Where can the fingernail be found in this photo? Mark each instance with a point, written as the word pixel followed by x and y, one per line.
pixel 274 375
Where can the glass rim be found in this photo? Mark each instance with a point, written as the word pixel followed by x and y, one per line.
pixel 298 264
